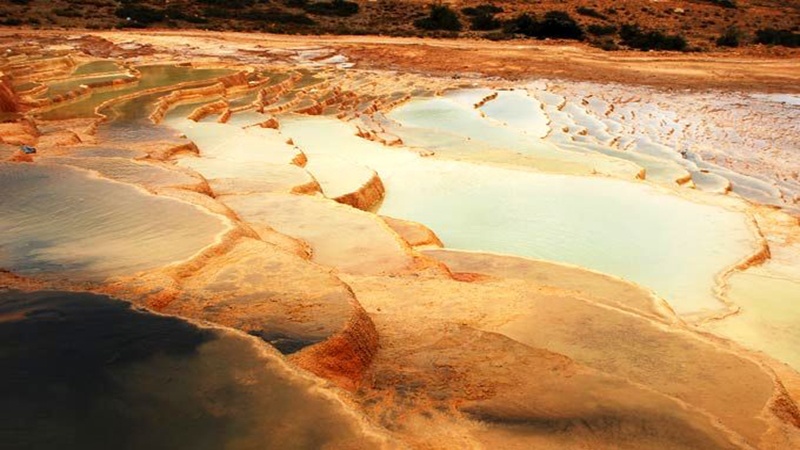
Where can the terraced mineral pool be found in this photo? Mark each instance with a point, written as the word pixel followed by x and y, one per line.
pixel 93 67
pixel 520 111
pixel 452 126
pixel 63 222
pixel 671 245
pixel 770 308
pixel 83 371
pixel 62 87
pixel 155 76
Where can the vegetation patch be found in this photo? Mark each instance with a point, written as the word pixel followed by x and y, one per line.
pixel 634 37
pixel 601 30
pixel 441 17
pixel 482 18
pixel 771 36
pixel 556 24
pixel 590 12
pixel 732 37
pixel 337 8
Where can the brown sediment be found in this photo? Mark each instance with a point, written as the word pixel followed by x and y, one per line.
pixel 166 102
pixel 9 99
pixel 272 122
pixel 20 132
pixel 166 150
pixel 367 196
pixel 40 69
pixel 486 99
pixel 310 188
pixel 300 159
pixel 344 357
pixel 415 234
pixel 208 109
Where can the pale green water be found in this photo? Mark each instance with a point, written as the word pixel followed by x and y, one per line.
pixel 96 67
pixel 58 221
pixel 769 317
pixel 628 229
pixel 62 87
pixel 520 111
pixel 152 77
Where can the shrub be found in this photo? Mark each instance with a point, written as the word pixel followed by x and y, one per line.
pixel 559 24
pixel 590 12
pixel 730 38
pixel 482 17
pixel 485 9
pixel 484 23
pixel 606 43
pixel 229 4
pixel 339 8
pixel 601 30
pixel 441 17
pixel 141 14
pixel 217 12
pixel 556 24
pixel 66 12
pixel 724 3
pixel 498 36
pixel 635 37
pixel 771 36
pixel 522 24
pixel 277 16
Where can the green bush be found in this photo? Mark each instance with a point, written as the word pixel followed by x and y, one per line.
pixel 635 37
pixel 441 17
pixel 772 36
pixel 730 38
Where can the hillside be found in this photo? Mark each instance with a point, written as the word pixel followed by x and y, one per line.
pixel 642 24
